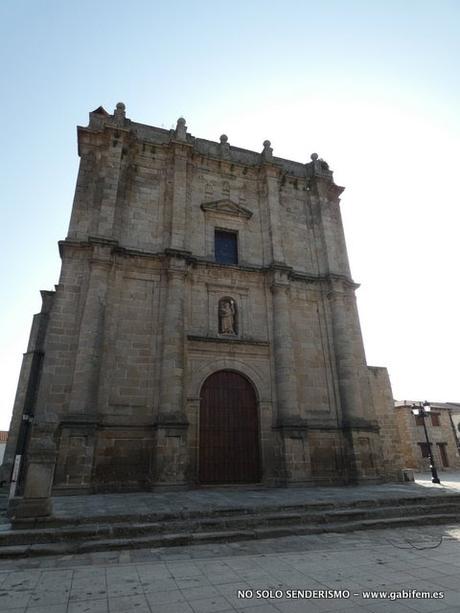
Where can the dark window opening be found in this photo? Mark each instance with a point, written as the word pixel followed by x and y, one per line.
pixel 226 247
pixel 425 450
pixel 418 420
pixel 443 454
pixel 435 419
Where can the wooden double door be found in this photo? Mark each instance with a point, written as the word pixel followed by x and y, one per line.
pixel 229 430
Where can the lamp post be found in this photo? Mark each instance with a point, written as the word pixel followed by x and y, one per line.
pixel 423 410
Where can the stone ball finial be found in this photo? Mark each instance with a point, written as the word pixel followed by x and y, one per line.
pixel 314 157
pixel 267 144
pixel 223 138
pixel 121 106
pixel 181 121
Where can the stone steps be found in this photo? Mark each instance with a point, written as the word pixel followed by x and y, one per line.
pixel 192 514
pixel 224 525
pixel 189 538
pixel 216 522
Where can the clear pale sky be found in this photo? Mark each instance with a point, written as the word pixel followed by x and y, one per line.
pixel 372 86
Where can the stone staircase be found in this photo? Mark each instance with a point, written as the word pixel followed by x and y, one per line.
pixel 153 530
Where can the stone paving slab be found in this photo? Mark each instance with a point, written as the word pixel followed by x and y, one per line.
pixel 102 506
pixel 206 579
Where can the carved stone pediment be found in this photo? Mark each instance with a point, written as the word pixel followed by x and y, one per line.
pixel 226 207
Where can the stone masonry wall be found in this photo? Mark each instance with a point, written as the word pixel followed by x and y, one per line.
pixel 391 436
pixel 134 327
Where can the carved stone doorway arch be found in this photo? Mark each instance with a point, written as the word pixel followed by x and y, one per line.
pixel 229 430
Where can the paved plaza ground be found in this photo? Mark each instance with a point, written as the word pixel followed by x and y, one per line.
pixel 206 579
pixel 297 571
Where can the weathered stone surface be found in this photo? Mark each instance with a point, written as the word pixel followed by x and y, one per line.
pixel 133 329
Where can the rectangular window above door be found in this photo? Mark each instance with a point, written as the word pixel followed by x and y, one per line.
pixel 225 247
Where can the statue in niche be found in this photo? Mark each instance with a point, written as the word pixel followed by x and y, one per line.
pixel 227 316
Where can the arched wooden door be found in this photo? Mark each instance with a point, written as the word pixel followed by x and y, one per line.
pixel 229 430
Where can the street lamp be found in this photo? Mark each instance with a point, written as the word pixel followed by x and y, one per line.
pixel 423 410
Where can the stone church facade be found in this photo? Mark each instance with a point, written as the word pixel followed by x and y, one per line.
pixel 204 329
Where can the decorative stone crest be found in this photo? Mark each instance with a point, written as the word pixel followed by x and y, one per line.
pixel 227 317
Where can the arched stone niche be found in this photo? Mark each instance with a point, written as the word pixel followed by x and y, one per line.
pixel 217 293
pixel 227 317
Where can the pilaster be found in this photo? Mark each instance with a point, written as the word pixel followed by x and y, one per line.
pixel 325 196
pixel 271 175
pixel 83 399
pixel 290 425
pixel 111 174
pixel 172 367
pixel 349 352
pixel 180 152
pixel 288 411
pixel 358 422
pixel 82 216
pixel 172 423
